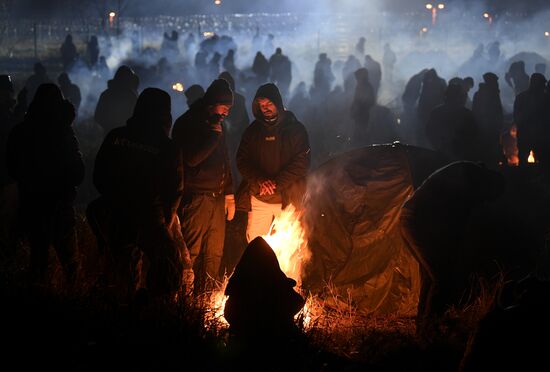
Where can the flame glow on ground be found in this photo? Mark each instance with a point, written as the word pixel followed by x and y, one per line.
pixel 287 239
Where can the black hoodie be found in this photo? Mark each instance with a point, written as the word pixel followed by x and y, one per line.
pixel 278 151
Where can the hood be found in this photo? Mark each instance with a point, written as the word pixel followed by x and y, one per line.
pixel 271 92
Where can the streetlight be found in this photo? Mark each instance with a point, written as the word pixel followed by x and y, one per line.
pixel 112 16
pixel 488 17
pixel 547 33
pixel 217 2
pixel 433 8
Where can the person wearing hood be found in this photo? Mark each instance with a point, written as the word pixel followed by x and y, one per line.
pixel 488 113
pixel 529 114
pixel 273 158
pixel 209 198
pixel 117 103
pixel 70 91
pixel 43 157
pixel 139 175
pixel 259 283
pixel 193 94
pixel 451 128
pixel 39 77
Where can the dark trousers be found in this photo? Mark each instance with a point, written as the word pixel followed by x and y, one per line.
pixel 203 229
pixel 48 222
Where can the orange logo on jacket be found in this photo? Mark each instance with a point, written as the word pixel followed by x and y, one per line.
pixel 270 138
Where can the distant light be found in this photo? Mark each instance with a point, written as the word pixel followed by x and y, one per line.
pixel 208 34
pixel 218 2
pixel 531 159
pixel 441 6
pixel 424 29
pixel 486 15
pixel 178 87
pixel 547 33
pixel 429 6
pixel 112 14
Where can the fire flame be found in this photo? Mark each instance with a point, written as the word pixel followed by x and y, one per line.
pixel 287 239
pixel 531 159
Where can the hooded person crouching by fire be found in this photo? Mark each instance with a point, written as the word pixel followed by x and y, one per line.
pixel 262 302
pixel 273 158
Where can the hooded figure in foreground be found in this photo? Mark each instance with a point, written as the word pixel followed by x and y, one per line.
pixel 262 301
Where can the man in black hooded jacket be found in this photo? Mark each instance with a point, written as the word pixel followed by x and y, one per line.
pixel 273 158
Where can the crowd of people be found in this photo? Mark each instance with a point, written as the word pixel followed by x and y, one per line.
pixel 168 186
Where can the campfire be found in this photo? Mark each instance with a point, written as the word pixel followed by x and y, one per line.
pixel 287 239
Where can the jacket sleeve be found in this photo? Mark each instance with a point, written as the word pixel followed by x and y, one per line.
pixel 297 168
pixel 244 157
pixel 197 144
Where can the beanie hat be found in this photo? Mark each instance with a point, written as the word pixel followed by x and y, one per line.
pixel 219 92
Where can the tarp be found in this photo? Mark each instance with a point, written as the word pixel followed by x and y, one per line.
pixel 351 214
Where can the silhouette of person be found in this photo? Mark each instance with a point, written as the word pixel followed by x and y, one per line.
pixel 360 46
pixel 68 53
pixel 209 197
pixel 431 96
pixel 139 175
pixel 92 50
pixel 529 108
pixel 489 116
pixel 116 104
pixel 281 71
pixel 452 129
pixel 70 91
pixel 38 78
pixel 229 63
pixel 259 283
pixel 214 65
pixel 375 73
pixel 43 157
pixel 351 65
pixel 363 100
pixel 260 67
pixel 322 78
pixel 193 94
pixel 517 78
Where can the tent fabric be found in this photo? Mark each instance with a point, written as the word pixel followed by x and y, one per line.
pixel 351 215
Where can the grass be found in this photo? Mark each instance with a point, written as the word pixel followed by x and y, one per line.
pixel 91 327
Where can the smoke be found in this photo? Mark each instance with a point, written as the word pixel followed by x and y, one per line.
pixel 307 28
